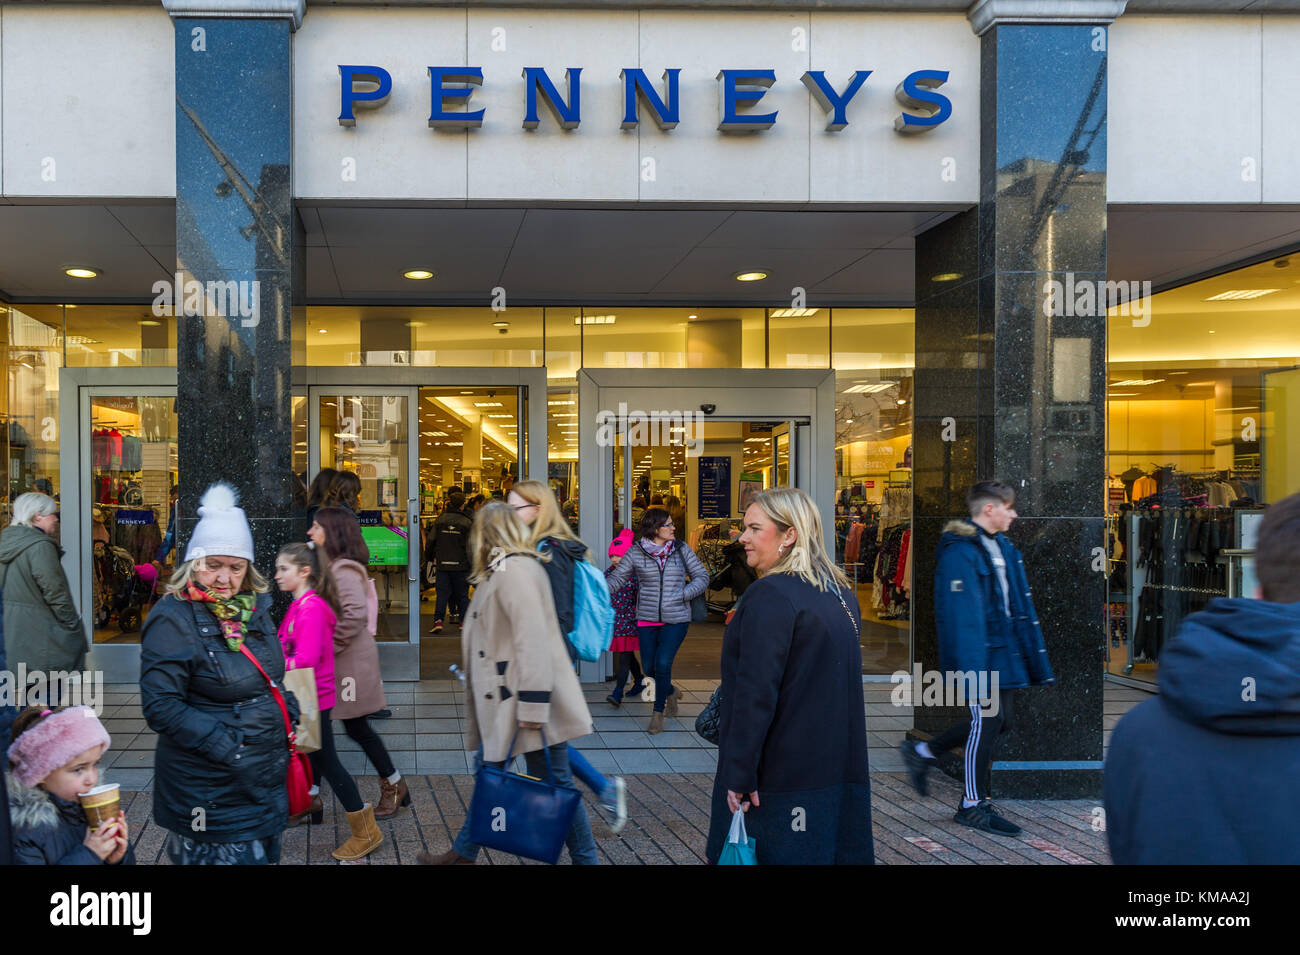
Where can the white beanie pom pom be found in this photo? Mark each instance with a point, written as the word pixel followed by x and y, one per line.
pixel 219 497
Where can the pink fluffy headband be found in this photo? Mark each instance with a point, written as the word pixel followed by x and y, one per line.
pixel 54 742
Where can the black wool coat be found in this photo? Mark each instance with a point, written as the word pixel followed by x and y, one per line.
pixel 792 726
pixel 221 737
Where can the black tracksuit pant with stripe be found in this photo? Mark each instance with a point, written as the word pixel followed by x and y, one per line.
pixel 979 734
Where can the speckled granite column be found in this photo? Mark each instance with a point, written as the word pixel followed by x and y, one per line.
pixel 1009 386
pixel 235 234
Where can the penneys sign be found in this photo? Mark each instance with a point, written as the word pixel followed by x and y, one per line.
pixel 369 87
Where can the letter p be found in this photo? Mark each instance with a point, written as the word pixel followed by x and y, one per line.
pixel 365 98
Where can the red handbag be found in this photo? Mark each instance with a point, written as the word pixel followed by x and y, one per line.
pixel 299 777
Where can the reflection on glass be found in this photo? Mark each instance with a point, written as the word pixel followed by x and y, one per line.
pixel 367 435
pixel 562 449
pixel 132 546
pixel 423 337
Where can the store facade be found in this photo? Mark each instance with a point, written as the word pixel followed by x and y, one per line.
pixel 861 252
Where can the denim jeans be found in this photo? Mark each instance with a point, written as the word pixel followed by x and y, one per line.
pixel 581 843
pixel 659 645
pixel 586 773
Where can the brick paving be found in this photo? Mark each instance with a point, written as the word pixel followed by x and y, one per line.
pixel 669 784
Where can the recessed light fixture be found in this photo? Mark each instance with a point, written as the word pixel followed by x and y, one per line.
pixel 1241 294
pixel 946 277
pixel 692 316
pixel 82 272
pixel 1210 332
pixel 416 324
pixel 149 322
pixel 901 401
pixel 321 330
pixel 752 275
pixel 418 274
pixel 500 324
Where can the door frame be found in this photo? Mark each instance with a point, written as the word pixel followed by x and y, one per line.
pixel 804 398
pixel 400 661
pixel 119 663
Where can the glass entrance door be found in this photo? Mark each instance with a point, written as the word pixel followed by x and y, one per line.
pixel 370 433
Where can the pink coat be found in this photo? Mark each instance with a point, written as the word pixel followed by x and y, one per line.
pixel 307 636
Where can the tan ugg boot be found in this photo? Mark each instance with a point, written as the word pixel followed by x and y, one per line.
pixel 366 837
pixel 656 724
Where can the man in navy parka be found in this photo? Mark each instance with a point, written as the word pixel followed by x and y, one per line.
pixel 1208 771
pixel 988 627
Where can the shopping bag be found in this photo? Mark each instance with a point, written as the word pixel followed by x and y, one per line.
pixel 739 848
pixel 303 684
pixel 521 815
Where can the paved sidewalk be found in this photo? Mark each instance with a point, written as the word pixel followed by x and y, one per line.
pixel 669 779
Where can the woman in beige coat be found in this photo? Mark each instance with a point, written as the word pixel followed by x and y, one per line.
pixel 520 685
pixel 356 655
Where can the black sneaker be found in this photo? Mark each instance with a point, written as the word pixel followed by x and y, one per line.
pixel 985 818
pixel 917 766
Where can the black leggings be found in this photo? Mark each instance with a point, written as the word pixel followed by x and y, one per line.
pixel 359 730
pixel 979 735
pixel 325 763
pixel 625 662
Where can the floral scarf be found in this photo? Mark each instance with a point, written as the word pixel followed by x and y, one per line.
pixel 233 612
pixel 659 552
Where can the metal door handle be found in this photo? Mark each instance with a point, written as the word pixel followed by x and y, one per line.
pixel 413 529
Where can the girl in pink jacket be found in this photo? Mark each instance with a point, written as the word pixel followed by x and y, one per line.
pixel 307 636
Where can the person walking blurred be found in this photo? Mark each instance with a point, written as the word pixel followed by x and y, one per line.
pixel 344 557
pixel 669 577
pixel 448 548
pixel 792 739
pixel 522 694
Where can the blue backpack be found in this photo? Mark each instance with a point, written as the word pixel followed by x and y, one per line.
pixel 593 615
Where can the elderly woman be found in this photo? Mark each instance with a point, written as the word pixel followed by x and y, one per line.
pixel 41 625
pixel 520 687
pixel 222 756
pixel 792 747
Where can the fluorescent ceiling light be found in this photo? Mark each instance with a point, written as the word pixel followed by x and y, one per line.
pixel 488 404
pixel 1135 382
pixel 793 312
pixel 869 389
pixel 1241 294
pixel 1124 394
pixel 594 319
pixel 1242 408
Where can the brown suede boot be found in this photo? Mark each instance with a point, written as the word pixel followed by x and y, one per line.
pixel 390 797
pixel 366 837
pixel 450 857
pixel 315 813
pixel 656 724
pixel 671 701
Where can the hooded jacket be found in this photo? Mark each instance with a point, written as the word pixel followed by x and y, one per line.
pixel 1208 772
pixel 221 735
pixel 559 570
pixel 975 631
pixel 50 831
pixel 41 623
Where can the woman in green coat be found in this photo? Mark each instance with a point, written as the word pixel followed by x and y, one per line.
pixel 41 625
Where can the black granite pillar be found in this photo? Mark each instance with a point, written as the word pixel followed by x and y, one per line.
pixel 236 236
pixel 1010 381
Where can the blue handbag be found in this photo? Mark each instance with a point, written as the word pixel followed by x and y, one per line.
pixel 519 814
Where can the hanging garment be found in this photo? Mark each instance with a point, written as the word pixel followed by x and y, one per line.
pixel 853 546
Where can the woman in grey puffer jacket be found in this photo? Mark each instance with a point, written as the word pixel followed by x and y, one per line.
pixel 669 576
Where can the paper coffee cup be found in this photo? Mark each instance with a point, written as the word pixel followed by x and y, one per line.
pixel 101 804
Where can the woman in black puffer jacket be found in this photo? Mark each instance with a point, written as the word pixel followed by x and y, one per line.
pixel 222 755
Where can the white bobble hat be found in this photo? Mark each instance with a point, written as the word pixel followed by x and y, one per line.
pixel 223 529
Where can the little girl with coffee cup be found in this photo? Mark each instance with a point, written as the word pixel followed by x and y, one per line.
pixel 54 773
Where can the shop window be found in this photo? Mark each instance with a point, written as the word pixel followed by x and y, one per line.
pixel 35 354
pixel 873 361
pixel 423 337
pixel 798 337
pixel 1201 418
pixel 118 336
pixel 616 337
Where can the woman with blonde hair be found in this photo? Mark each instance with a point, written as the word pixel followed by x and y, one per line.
pixel 522 694
pixel 535 506
pixel 207 653
pixel 791 724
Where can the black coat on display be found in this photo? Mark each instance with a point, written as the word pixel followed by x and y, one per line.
pixel 1208 771
pixel 791 726
pixel 221 739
